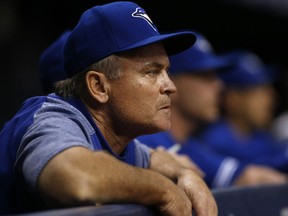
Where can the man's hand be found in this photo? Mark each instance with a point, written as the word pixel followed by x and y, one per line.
pixel 187 180
pixel 175 202
pixel 185 161
pixel 197 191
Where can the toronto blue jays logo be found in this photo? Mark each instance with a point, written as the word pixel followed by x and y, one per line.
pixel 140 13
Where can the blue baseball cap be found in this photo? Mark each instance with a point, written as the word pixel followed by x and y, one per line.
pixel 51 68
pixel 200 57
pixel 248 70
pixel 112 28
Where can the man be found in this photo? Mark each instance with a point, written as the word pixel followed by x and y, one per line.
pixel 242 132
pixel 76 147
pixel 51 70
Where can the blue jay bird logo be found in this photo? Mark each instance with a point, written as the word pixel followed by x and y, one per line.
pixel 140 13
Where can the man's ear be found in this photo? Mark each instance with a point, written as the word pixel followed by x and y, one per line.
pixel 97 86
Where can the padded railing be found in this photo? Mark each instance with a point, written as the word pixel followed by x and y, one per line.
pixel 268 200
pixel 265 200
pixel 104 210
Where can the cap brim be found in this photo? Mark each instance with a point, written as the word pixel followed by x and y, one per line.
pixel 174 42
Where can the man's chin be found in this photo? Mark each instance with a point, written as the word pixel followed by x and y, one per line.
pixel 162 127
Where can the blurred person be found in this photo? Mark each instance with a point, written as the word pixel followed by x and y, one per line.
pixel 77 146
pixel 51 67
pixel 248 104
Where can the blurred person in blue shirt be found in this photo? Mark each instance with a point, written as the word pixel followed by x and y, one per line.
pixel 248 104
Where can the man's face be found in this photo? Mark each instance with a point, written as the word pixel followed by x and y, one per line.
pixel 198 95
pixel 140 99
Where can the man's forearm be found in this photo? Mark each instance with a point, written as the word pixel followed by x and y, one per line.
pixel 68 180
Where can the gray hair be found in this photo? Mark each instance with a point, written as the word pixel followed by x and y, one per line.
pixel 75 85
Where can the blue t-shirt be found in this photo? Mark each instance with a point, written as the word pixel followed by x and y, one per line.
pixel 42 128
pixel 259 147
pixel 220 171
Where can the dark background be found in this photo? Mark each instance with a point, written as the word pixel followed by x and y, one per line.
pixel 28 27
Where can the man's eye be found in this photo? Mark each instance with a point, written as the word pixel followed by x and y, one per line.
pixel 153 72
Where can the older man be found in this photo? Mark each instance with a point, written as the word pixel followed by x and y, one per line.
pixel 75 147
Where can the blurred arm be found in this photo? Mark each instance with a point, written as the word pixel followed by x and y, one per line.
pixel 256 175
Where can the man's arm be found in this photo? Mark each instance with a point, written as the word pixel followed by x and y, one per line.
pixel 193 185
pixel 78 176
